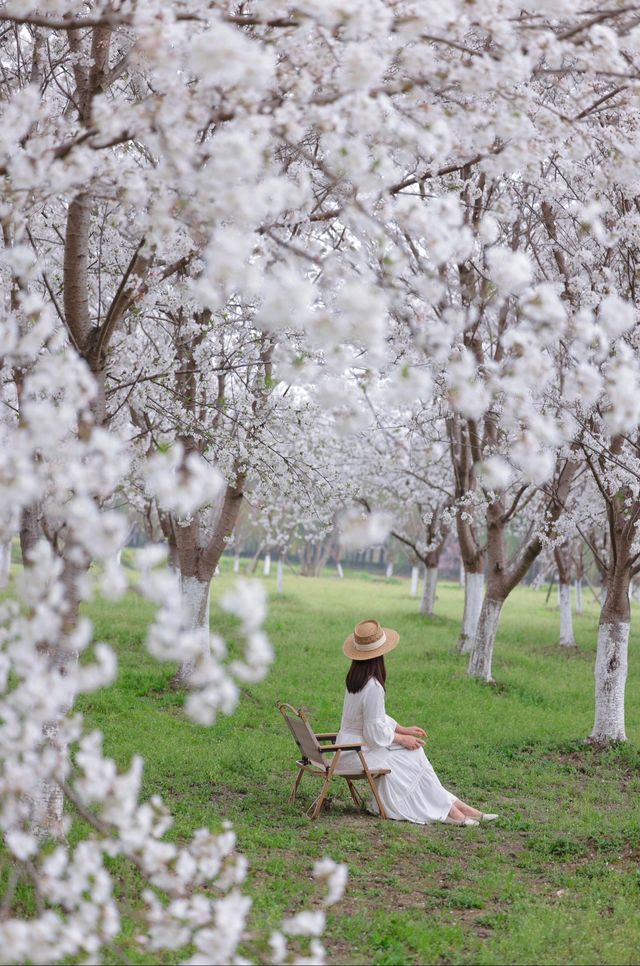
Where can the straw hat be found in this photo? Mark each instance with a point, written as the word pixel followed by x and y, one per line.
pixel 369 640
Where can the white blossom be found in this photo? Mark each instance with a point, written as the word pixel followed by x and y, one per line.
pixel 335 877
pixel 305 924
pixel 364 529
pixel 495 473
pixel 511 271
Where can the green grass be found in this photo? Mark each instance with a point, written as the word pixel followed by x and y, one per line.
pixel 555 881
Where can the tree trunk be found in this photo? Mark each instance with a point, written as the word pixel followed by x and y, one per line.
pixel 5 562
pixel 266 570
pixel 195 602
pixel 415 573
pixel 473 594
pixel 47 808
pixel 482 654
pixel 236 564
pixel 472 579
pixel 256 558
pixel 314 556
pixel 308 559
pixel 429 591
pixel 201 544
pixel 340 570
pixel 611 677
pixel 566 620
pixel 502 577
pixel 174 557
pixel 563 562
pixel 578 560
pixel 195 599
pixel 611 659
pixel 169 532
pixel 30 531
pixel 433 583
pixel 280 576
pixel 389 571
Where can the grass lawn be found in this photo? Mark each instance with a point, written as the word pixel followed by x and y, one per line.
pixel 557 880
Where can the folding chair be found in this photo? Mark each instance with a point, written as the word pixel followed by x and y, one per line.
pixel 313 762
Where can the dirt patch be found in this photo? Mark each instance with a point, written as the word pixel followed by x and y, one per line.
pixel 575 758
pixel 340 952
pixel 606 761
pixel 476 923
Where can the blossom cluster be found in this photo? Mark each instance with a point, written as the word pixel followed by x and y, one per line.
pixel 49 758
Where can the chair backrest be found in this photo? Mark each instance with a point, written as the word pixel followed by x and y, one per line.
pixel 302 734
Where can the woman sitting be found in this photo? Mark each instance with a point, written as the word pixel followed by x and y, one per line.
pixel 412 791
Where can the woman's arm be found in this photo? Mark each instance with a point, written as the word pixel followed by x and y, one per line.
pixel 414 730
pixel 407 738
pixel 378 727
pixel 410 738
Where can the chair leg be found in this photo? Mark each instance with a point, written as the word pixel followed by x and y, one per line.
pixel 325 788
pixel 319 802
pixel 292 796
pixel 372 785
pixel 357 801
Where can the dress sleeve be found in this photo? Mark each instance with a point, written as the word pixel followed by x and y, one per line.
pixel 378 728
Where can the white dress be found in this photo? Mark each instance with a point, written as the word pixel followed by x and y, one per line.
pixel 412 791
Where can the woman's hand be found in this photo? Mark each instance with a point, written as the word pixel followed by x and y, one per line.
pixel 410 742
pixel 414 731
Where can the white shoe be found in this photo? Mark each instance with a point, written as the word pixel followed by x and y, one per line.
pixel 465 821
pixel 488 817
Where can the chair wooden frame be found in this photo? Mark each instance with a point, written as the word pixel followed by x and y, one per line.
pixel 313 763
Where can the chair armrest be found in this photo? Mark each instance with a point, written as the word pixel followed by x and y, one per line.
pixel 326 748
pixel 326 735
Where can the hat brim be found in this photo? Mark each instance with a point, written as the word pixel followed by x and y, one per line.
pixel 350 650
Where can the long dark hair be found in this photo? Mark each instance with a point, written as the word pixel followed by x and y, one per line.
pixel 360 672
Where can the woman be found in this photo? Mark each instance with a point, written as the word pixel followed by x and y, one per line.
pixel 412 791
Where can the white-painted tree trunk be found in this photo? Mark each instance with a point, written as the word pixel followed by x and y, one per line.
pixel 424 600
pixel 611 678
pixel 119 557
pixel 47 808
pixel 47 805
pixel 429 591
pixel 415 573
pixel 579 604
pixel 280 575
pixel 566 620
pixel 389 569
pixel 5 562
pixel 473 596
pixel 482 654
pixel 267 565
pixel 195 603
pixel 462 574
pixel 340 570
pixel 432 580
pixel 236 564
